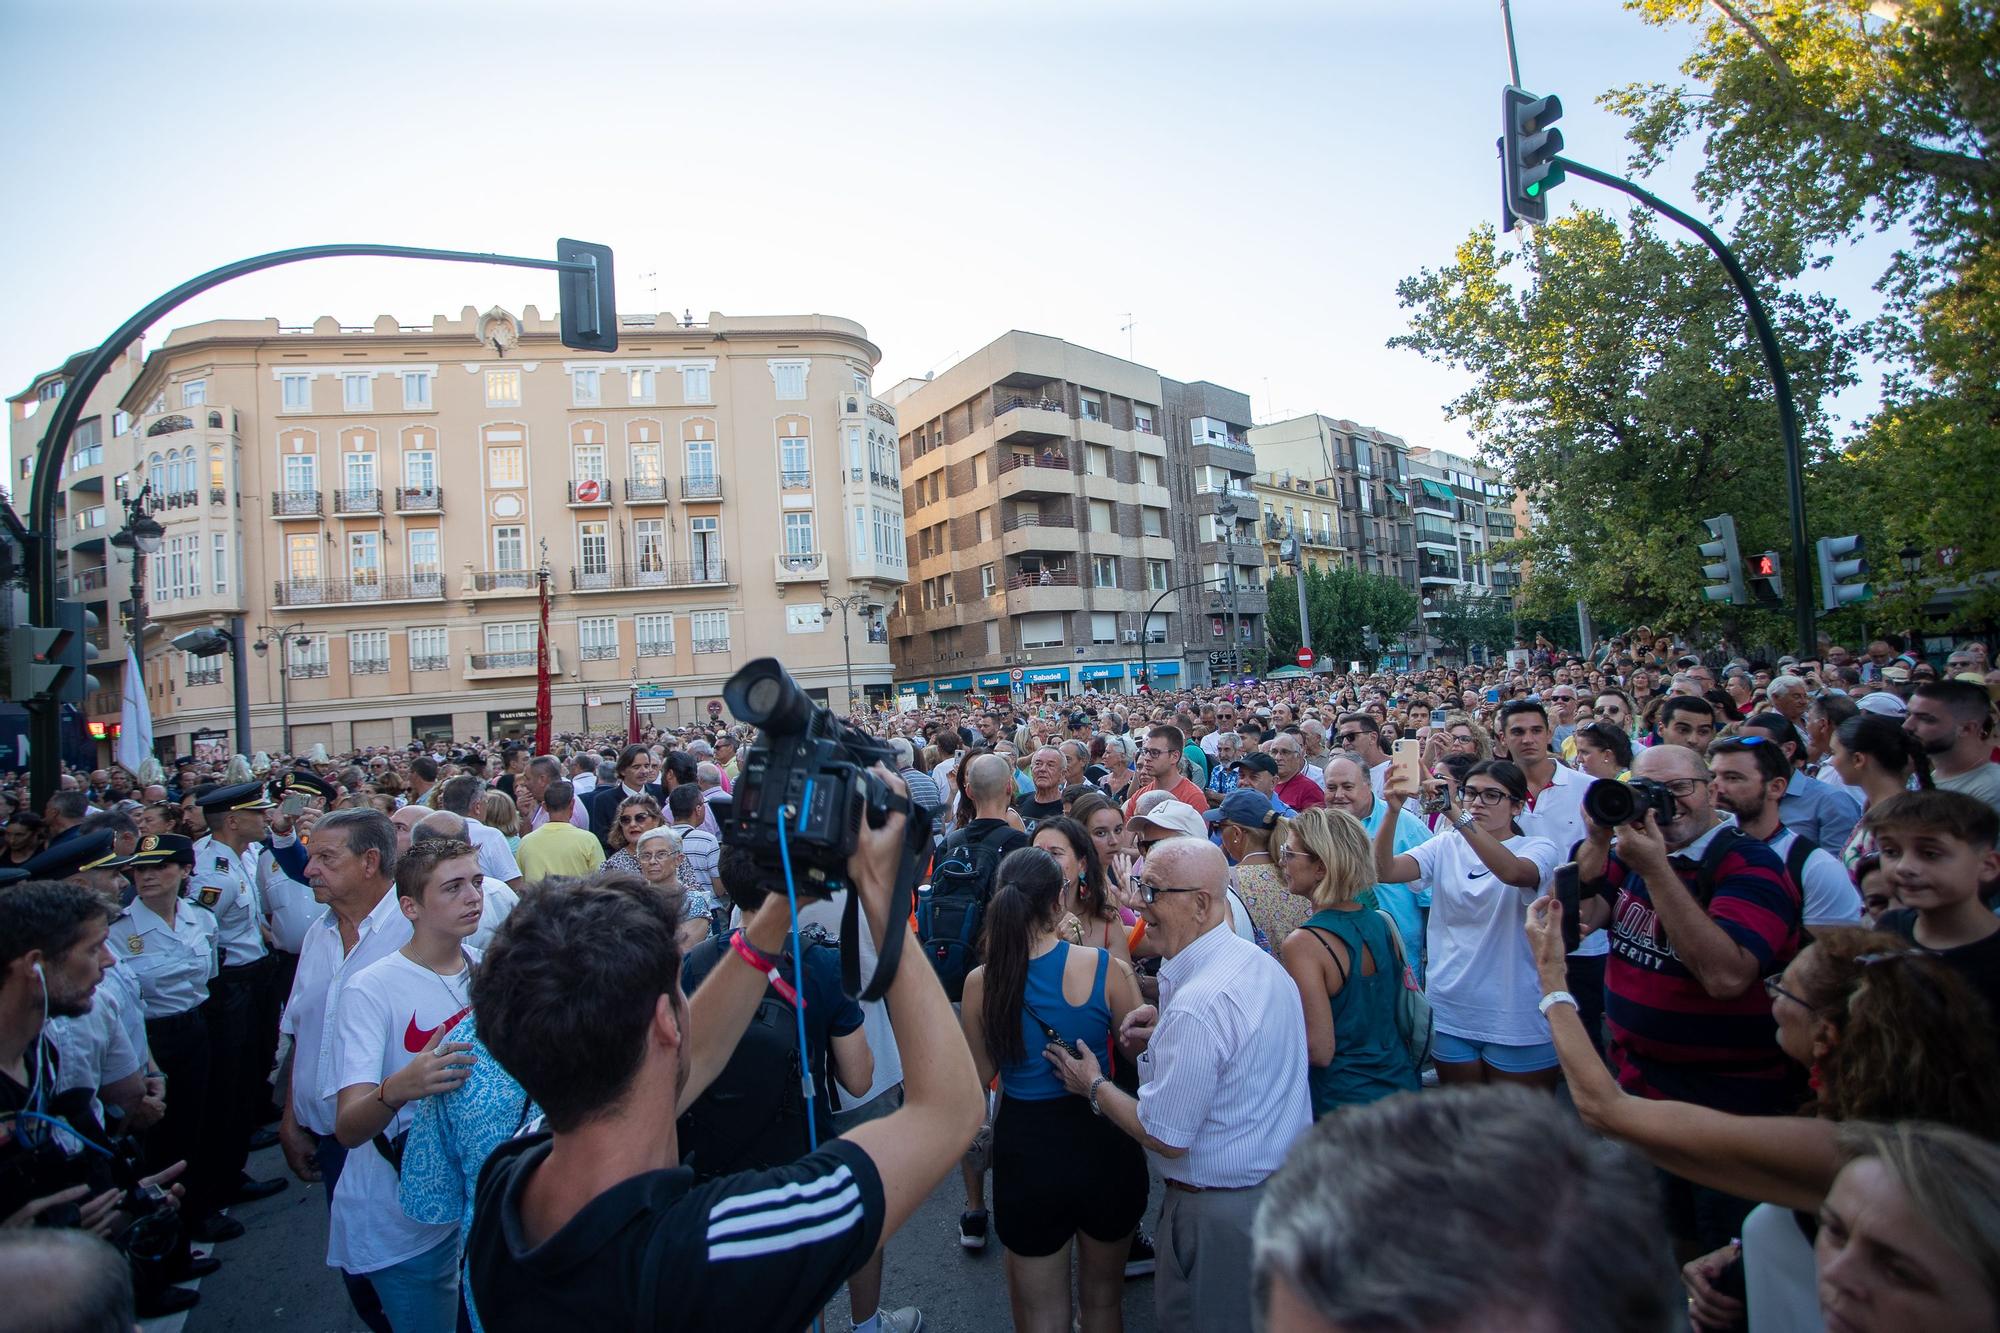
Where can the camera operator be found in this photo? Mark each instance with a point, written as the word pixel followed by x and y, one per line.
pixel 1702 913
pixel 596 1224
pixel 52 956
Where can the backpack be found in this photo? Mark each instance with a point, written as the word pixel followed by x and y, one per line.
pixel 753 1116
pixel 951 916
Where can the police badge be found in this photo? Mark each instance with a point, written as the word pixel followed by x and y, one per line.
pixel 208 897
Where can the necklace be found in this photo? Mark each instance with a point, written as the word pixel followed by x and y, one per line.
pixel 443 980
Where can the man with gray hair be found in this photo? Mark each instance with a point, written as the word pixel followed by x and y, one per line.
pixel 1044 799
pixel 1222 1084
pixel 1534 1223
pixel 531 793
pixel 923 789
pixel 496 859
pixel 1791 696
pixel 583 778
pixel 62 1280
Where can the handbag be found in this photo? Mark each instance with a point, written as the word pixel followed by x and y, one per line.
pixel 1413 1008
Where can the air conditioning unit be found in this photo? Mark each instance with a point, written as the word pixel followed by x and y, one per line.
pixel 1131 636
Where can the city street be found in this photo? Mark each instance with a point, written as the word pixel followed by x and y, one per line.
pixel 275 1276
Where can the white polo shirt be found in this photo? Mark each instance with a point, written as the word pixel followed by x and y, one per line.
pixel 313 1012
pixel 1557 814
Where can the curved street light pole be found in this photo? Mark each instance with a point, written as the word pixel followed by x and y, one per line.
pixel 266 639
pixel 1146 625
pixel 858 601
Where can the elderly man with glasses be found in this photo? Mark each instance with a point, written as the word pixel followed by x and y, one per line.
pixel 1222 1085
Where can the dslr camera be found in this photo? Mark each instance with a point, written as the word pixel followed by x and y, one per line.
pixel 1613 804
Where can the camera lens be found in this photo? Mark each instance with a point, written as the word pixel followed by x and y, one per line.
pixel 765 697
pixel 1609 803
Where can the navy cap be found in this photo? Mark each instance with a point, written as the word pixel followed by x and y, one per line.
pixel 62 859
pixel 160 849
pixel 236 796
pixel 299 782
pixel 1246 806
pixel 1260 761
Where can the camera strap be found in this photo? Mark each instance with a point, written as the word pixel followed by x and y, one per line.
pixel 916 845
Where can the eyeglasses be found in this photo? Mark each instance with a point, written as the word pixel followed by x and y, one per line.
pixel 1776 991
pixel 634 819
pixel 1294 854
pixel 1347 737
pixel 1148 891
pixel 1684 787
pixel 1155 753
pixel 1483 795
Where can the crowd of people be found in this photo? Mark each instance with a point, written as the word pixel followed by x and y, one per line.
pixel 1643 988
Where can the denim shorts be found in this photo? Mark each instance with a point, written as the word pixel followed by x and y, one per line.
pixel 1447 1048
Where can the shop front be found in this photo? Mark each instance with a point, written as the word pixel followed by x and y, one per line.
pixel 1109 678
pixel 510 724
pixel 1046 682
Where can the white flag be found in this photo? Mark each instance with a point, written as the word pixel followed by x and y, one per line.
pixel 135 731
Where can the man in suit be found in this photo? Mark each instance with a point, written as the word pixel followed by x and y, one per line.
pixel 638 773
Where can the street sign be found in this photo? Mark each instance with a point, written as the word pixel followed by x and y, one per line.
pixel 1305 658
pixel 591 700
pixel 1017 674
pixel 652 705
pixel 588 490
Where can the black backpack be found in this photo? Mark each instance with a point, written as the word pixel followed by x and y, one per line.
pixel 950 918
pixel 753 1116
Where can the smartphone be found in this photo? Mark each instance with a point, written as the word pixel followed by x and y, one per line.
pixel 1493 695
pixel 1409 760
pixel 1437 717
pixel 291 806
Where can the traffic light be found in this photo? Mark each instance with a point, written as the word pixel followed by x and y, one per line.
pixel 1767 578
pixel 1528 149
pixel 1725 565
pixel 589 307
pixel 52 661
pixel 1840 559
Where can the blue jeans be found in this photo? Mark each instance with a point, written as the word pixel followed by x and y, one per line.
pixel 330 1157
pixel 420 1294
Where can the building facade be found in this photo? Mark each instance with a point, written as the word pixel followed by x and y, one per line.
pixel 1058 501
pixel 1463 509
pixel 1342 489
pixel 373 509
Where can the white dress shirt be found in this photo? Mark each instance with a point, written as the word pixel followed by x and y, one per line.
pixel 312 1015
pixel 225 882
pixel 173 960
pixel 1224 1075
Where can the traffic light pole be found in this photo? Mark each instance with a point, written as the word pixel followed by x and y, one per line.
pixel 1146 625
pixel 45 715
pixel 1774 361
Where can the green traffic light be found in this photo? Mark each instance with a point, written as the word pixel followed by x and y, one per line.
pixel 1534 189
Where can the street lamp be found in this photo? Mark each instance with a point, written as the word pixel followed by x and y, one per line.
pixel 1912 558
pixel 140 537
pixel 208 641
pixel 859 601
pixel 266 637
pixel 1146 625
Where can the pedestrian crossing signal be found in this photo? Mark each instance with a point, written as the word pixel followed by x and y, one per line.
pixel 1767 579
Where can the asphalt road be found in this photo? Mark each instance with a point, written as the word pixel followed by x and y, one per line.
pixel 275 1276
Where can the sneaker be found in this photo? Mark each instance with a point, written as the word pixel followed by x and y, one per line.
pixel 971 1230
pixel 909 1319
pixel 1141 1261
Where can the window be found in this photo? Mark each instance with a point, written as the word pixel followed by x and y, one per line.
pixel 429 649
pixel 887 465
pixel 307 659
pixel 988 582
pixel 701 460
pixel 416 389
pixel 1042 629
pixel 420 470
pixel 705 549
pixel 984 525
pixel 588 460
pixel 710 631
pixel 888 535
pixel 1156 627
pixel 649 545
pixel 510 548
pixel 1096 460
pixel 302 558
pixel 639 384
pixel 593 554
pixel 1150 471
pixel 516 636
pixel 584 390
pixel 790 377
pixel 597 638
pixel 218 470
pixel 654 634
pixel 1142 419
pixel 799 534
pixel 1103 517
pixel 1091 406
pixel 219 561
pixel 855 462
pixel 194 393
pixel 301 474
pixel 861 543
pixel 368 652
pixel 426 573
pixel 807 619
pixel 1104 627
pixel 296 392
pixel 794 461
pixel 1153 522
pixel 1104 571
pixel 364 562
pixel 694 384
pixel 360 472
pixel 646 464
pixel 503 388
pixel 506 465
pixel 357 392
pixel 1156 575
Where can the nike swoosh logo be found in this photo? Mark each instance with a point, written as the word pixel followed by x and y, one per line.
pixel 1477 874
pixel 416 1038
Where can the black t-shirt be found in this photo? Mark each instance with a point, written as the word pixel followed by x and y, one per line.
pixel 1978 962
pixel 1033 810
pixel 762 1250
pixel 27 1175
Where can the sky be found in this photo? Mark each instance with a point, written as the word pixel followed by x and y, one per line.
pixel 1242 185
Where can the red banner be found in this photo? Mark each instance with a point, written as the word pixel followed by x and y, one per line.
pixel 544 710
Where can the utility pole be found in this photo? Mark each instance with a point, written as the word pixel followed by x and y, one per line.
pixel 1146 625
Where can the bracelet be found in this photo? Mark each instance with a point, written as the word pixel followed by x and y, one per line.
pixel 382 1097
pixel 1465 818
pixel 766 964
pixel 1554 998
pixel 1095 1084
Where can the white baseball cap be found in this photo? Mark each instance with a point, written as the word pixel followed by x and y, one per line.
pixel 1883 702
pixel 1174 817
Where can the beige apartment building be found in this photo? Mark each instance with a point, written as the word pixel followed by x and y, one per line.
pixel 1045 485
pixel 375 506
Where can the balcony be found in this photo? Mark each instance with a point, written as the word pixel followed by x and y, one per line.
pixel 711 645
pixel 358 502
pixel 295 504
pixel 352 592
pixel 648 574
pixel 208 673
pixel 801 566
pixel 420 500
pixel 218 495
pixel 589 493
pixel 649 490
pixel 368 666
pixel 598 652
pixel 795 480
pixel 518 662
pixel 497 583
pixel 701 488
pixel 1029 417
pixel 430 663
pixel 89 581
pixel 306 671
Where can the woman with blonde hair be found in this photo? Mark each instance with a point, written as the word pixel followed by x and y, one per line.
pixel 1347 963
pixel 498 812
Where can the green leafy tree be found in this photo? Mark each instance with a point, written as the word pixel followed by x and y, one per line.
pixel 1346 606
pixel 1459 620
pixel 1616 383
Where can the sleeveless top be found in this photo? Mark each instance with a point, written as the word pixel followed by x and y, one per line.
pixel 1369 1059
pixel 1043 1007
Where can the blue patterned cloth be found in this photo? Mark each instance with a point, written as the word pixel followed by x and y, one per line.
pixel 451 1137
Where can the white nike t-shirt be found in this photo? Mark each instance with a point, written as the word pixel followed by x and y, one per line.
pixel 1481 975
pixel 388 1012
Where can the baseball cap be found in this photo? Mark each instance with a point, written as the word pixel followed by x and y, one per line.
pixel 1177 817
pixel 1881 701
pixel 1896 673
pixel 1263 763
pixel 1246 806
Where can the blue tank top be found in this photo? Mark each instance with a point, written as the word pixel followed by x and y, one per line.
pixel 1034 1079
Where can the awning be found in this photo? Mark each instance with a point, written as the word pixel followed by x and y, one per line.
pixel 1436 489
pixel 993 680
pixel 1113 672
pixel 1400 494
pixel 956 685
pixel 915 687
pixel 1286 673
pixel 1046 676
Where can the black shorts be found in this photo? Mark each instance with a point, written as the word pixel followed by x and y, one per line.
pixel 1058 1169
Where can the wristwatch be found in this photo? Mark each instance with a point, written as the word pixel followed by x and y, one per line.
pixel 1465 817
pixel 1554 998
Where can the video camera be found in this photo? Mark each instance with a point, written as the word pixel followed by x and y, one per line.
pixel 805 787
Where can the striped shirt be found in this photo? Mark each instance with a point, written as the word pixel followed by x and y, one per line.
pixel 1670 1038
pixel 1224 1075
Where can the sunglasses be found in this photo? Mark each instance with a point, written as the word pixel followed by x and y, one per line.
pixel 634 819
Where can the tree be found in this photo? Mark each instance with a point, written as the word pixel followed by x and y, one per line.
pixel 1458 620
pixel 1620 388
pixel 1346 606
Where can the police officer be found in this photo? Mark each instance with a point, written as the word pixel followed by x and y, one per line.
pixel 171 945
pixel 289 909
pixel 225 881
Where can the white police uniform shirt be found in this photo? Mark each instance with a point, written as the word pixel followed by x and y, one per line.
pixel 226 884
pixel 288 905
pixel 174 959
pixel 94 1050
